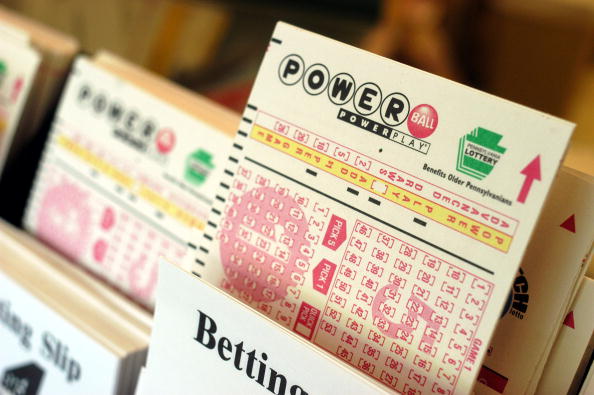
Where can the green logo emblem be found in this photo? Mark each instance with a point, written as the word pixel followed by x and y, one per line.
pixel 478 153
pixel 3 71
pixel 198 167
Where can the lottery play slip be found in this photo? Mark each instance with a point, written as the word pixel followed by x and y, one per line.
pixel 123 177
pixel 18 66
pixel 377 210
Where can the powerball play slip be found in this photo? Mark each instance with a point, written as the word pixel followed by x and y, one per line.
pixel 124 176
pixel 377 210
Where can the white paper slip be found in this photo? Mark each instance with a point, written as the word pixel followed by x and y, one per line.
pixel 543 289
pixel 569 360
pixel 377 210
pixel 18 68
pixel 124 176
pixel 205 341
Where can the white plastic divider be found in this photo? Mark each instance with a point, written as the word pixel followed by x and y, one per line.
pixel 205 340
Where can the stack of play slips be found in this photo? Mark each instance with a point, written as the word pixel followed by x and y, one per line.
pixel 543 290
pixel 62 331
pixel 34 61
pixel 130 166
pixel 378 211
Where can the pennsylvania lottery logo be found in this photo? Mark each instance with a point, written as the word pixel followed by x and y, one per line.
pixel 3 72
pixel 373 110
pixel 478 153
pixel 198 166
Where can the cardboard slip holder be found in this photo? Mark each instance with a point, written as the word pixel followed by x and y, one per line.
pixel 61 330
pixel 205 340
pixel 130 167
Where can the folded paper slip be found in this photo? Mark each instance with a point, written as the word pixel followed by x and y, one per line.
pixel 30 84
pixel 543 289
pixel 572 352
pixel 61 331
pixel 131 166
pixel 377 210
pixel 205 341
